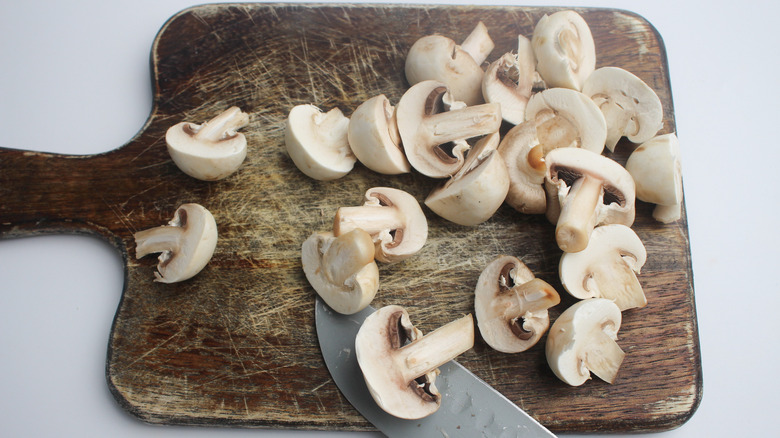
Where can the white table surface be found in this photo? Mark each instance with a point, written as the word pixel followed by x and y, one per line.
pixel 74 78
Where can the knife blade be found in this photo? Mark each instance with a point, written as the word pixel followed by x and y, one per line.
pixel 470 407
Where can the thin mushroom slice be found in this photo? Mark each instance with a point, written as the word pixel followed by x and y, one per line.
pixel 583 340
pixel 400 365
pixel 509 81
pixel 524 159
pixel 567 118
pixel 564 49
pixel 656 169
pixel 511 305
pixel 607 268
pixel 186 244
pixel 374 138
pixel 318 143
pixel 630 107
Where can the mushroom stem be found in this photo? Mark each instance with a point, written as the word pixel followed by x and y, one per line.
pixel 603 357
pixel 347 255
pixel 615 280
pixel 578 214
pixel 223 125
pixel 158 239
pixel 437 347
pixel 371 218
pixel 478 43
pixel 531 296
pixel 460 124
pixel 667 213
pixel 618 119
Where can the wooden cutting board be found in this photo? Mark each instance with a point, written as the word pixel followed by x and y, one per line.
pixel 236 344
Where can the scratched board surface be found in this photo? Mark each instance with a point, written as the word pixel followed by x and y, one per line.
pixel 236 344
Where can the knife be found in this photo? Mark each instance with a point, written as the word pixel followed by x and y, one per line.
pixel 469 407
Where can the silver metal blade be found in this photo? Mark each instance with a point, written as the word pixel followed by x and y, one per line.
pixel 469 408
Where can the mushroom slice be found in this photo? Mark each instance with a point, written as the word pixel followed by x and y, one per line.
pixel 400 365
pixel 567 118
pixel 392 217
pixel 583 340
pixel 374 139
pixel 211 151
pixel 185 245
pixel 434 127
pixel 607 268
pixel 630 107
pixel 655 167
pixel 564 49
pixel 436 57
pixel 509 81
pixel 511 305
pixel 317 142
pixel 341 269
pixel 585 189
pixel 479 188
pixel 524 159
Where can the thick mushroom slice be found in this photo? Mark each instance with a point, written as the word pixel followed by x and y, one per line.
pixel 374 138
pixel 479 188
pixel 436 57
pixel 564 49
pixel 392 217
pixel 434 128
pixel 185 245
pixel 607 268
pixel 585 189
pixel 630 107
pixel 655 167
pixel 400 365
pixel 509 81
pixel 524 159
pixel 317 142
pixel 567 118
pixel 341 269
pixel 211 151
pixel 583 340
pixel 511 305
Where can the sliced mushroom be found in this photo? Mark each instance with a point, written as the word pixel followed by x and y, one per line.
pixel 400 365
pixel 317 142
pixel 392 217
pixel 564 49
pixel 655 167
pixel 585 189
pixel 185 245
pixel 607 268
pixel 211 151
pixel 509 81
pixel 524 158
pixel 341 269
pixel 479 188
pixel 567 118
pixel 433 137
pixel 436 57
pixel 583 340
pixel 374 138
pixel 630 107
pixel 511 305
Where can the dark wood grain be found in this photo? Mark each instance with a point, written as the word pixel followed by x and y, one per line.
pixel 236 344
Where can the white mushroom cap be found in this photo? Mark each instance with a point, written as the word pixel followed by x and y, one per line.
pixel 585 189
pixel 509 81
pixel 564 49
pixel 524 158
pixel 567 118
pixel 511 305
pixel 317 142
pixel 427 127
pixel 185 245
pixel 341 269
pixel 655 167
pixel 435 57
pixel 211 151
pixel 607 268
pixel 400 365
pixel 479 188
pixel 630 107
pixel 582 340
pixel 374 138
pixel 392 217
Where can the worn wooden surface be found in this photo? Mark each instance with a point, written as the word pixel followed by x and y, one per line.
pixel 236 344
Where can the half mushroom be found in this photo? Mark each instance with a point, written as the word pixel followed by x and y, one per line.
pixel 374 139
pixel 317 142
pixel 657 172
pixel 510 80
pixel 564 49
